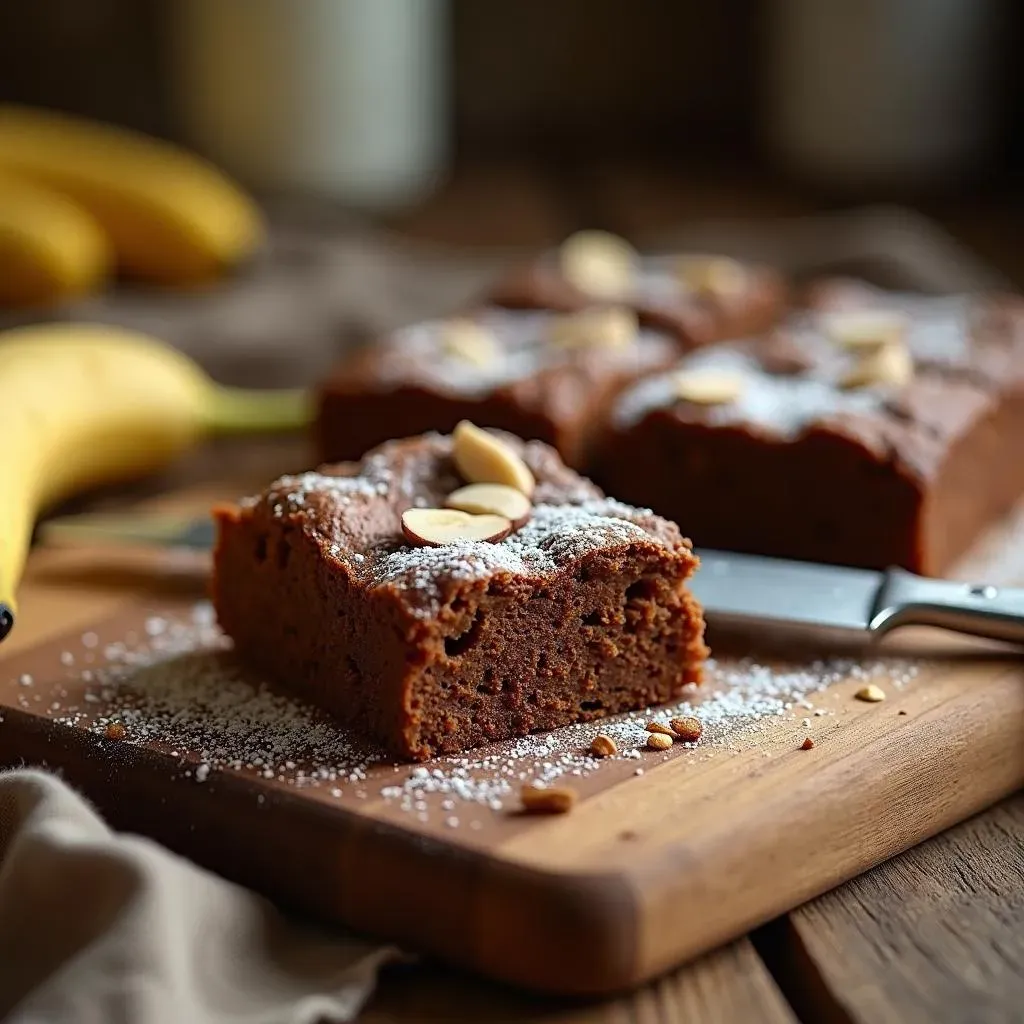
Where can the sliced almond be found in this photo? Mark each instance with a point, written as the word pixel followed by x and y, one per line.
pixel 611 327
pixel 600 264
pixel 709 387
pixel 890 364
pixel 659 727
pixel 432 527
pixel 870 693
pixel 687 728
pixel 491 499
pixel 482 459
pixel 865 328
pixel 659 741
pixel 717 276
pixel 548 800
pixel 469 341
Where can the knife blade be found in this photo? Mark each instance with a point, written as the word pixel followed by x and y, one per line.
pixel 732 588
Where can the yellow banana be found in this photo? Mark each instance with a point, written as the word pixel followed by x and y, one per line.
pixel 50 248
pixel 172 218
pixel 86 404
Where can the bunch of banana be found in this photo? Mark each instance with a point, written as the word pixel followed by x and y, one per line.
pixel 73 193
pixel 85 404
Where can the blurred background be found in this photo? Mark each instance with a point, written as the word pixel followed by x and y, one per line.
pixel 508 123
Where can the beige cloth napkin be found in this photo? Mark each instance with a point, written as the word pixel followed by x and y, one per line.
pixel 97 926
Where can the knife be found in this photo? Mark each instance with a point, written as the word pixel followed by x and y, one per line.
pixel 733 588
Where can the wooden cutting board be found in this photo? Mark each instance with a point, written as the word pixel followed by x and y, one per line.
pixel 650 868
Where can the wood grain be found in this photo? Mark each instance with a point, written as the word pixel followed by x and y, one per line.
pixel 725 987
pixel 935 934
pixel 645 873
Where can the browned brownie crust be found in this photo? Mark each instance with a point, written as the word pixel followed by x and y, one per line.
pixel 408 383
pixel 800 467
pixel 660 297
pixel 583 612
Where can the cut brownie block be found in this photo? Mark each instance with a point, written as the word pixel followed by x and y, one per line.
pixel 538 375
pixel 862 436
pixel 581 612
pixel 697 298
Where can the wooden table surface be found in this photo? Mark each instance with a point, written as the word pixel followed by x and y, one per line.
pixel 936 934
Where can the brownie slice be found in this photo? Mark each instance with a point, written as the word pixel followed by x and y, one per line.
pixel 580 613
pixel 518 378
pixel 806 461
pixel 698 298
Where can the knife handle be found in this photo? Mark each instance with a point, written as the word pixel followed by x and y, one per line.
pixel 978 609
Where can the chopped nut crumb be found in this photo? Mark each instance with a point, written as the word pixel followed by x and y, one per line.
pixel 603 746
pixel 553 800
pixel 871 693
pixel 807 744
pixel 659 727
pixel 659 741
pixel 115 731
pixel 687 728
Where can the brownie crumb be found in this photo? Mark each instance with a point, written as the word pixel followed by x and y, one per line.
pixel 807 744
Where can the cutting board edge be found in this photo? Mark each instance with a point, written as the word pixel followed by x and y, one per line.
pixel 558 931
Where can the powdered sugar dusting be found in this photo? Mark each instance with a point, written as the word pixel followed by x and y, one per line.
pixel 524 349
pixel 569 520
pixel 177 688
pixel 555 535
pixel 938 337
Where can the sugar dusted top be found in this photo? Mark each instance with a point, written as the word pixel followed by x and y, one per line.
pixel 523 349
pixel 793 379
pixel 353 511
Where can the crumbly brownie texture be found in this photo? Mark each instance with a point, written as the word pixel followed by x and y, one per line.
pixel 414 381
pixel 583 612
pixel 664 293
pixel 798 463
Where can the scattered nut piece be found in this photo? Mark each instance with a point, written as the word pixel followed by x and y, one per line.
pixel 482 459
pixel 871 693
pixel 807 744
pixel 890 364
pixel 491 499
pixel 687 728
pixel 115 731
pixel 606 327
pixel 659 741
pixel 866 328
pixel 600 264
pixel 603 745
pixel 716 276
pixel 709 387
pixel 432 527
pixel 469 341
pixel 553 800
pixel 659 727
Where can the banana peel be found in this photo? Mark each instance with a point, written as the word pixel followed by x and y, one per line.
pixel 51 249
pixel 171 217
pixel 82 405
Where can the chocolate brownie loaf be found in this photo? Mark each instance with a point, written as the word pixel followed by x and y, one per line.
pixel 861 436
pixel 354 587
pixel 538 375
pixel 697 298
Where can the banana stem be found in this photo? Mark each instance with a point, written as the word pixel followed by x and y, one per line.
pixel 246 411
